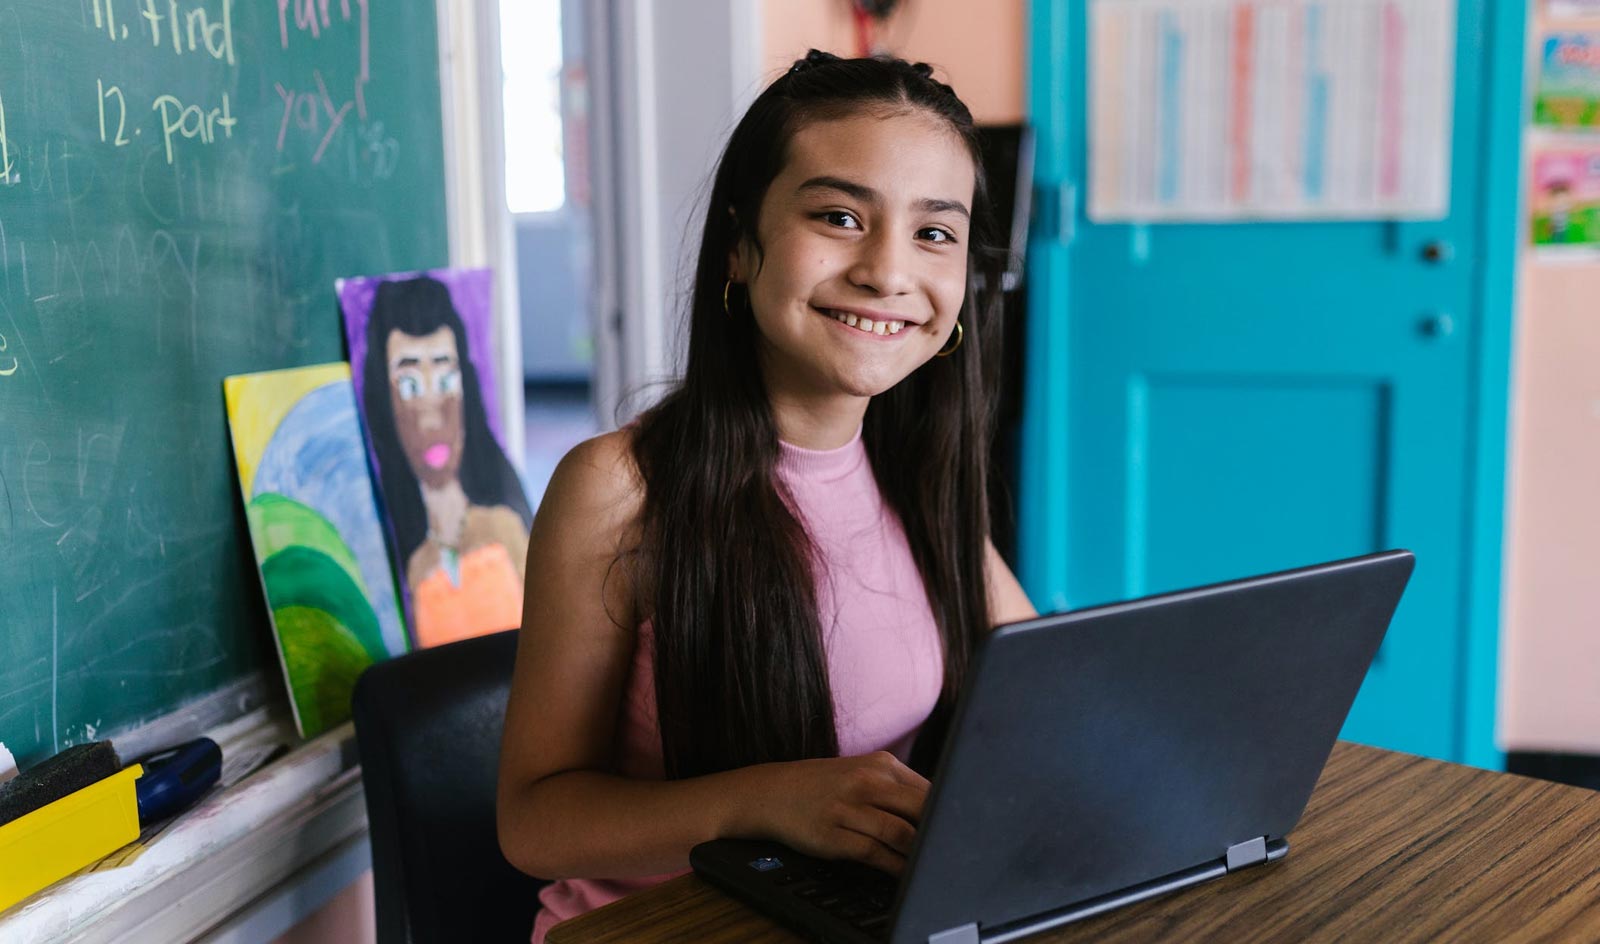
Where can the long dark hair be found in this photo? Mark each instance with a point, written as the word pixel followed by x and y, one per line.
pixel 421 306
pixel 726 570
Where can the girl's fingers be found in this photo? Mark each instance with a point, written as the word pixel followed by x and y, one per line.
pixel 884 828
pixel 912 778
pixel 887 784
pixel 901 772
pixel 903 801
pixel 867 850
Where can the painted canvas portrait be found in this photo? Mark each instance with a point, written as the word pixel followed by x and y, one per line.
pixel 314 526
pixel 457 515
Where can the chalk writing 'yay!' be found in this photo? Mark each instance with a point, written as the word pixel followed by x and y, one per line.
pixel 313 17
pixel 308 112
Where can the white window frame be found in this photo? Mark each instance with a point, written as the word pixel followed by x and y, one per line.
pixel 479 222
pixel 668 79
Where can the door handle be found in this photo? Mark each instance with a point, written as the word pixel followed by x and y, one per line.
pixel 1437 326
pixel 1438 252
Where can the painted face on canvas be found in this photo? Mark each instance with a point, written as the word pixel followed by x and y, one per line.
pixel 864 253
pixel 425 389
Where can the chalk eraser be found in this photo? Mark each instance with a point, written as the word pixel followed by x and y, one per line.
pixel 51 779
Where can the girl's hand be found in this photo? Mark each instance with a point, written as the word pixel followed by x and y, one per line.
pixel 865 809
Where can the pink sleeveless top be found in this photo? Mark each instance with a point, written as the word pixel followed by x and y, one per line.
pixel 885 660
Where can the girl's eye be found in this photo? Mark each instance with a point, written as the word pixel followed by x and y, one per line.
pixel 408 386
pixel 934 234
pixel 449 382
pixel 841 219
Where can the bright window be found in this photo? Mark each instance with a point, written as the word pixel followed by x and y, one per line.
pixel 530 56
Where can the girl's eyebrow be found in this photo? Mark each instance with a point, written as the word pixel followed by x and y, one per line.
pixel 868 195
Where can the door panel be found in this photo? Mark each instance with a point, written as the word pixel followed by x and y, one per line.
pixel 1225 457
pixel 1248 397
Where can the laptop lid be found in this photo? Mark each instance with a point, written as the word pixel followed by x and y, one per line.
pixel 1099 749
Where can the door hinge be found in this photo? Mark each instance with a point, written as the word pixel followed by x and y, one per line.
pixel 1056 205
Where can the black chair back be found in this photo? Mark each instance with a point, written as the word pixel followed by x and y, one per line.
pixel 428 731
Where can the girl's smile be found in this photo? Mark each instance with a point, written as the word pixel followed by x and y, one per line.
pixel 873 324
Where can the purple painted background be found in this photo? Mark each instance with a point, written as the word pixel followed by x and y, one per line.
pixel 470 292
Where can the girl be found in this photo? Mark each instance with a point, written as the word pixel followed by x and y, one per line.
pixel 741 610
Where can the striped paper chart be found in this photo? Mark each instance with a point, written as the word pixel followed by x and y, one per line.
pixel 1272 109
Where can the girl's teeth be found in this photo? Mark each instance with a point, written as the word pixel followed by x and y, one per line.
pixel 868 325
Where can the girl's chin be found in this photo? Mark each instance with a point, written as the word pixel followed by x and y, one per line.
pixel 837 373
pixel 868 384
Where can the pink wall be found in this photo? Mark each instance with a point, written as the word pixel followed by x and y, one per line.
pixel 1550 641
pixel 978 47
pixel 1550 665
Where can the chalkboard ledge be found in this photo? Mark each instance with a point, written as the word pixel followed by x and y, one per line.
pixel 244 864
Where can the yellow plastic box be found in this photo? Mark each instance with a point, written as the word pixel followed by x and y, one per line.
pixel 62 837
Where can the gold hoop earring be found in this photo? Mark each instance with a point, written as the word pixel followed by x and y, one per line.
pixel 960 336
pixel 725 286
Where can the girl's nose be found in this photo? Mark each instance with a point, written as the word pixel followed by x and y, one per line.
pixel 883 266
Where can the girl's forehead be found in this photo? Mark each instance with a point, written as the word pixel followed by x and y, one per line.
pixel 894 151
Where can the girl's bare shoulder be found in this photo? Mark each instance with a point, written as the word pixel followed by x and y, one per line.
pixel 589 519
pixel 598 481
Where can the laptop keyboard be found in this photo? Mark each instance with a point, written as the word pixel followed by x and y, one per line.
pixel 855 895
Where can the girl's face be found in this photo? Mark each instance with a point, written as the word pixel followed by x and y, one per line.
pixel 868 221
pixel 425 389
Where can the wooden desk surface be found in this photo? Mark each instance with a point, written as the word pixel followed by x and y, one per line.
pixel 1391 848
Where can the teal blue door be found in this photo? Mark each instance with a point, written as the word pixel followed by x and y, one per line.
pixel 1207 402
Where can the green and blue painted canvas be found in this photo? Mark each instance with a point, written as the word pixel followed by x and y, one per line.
pixel 314 526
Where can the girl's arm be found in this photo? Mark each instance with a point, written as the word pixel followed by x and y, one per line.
pixel 1007 601
pixel 561 812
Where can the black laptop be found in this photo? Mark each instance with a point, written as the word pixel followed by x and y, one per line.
pixel 1103 756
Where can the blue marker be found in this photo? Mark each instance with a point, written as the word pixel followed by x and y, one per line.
pixel 177 777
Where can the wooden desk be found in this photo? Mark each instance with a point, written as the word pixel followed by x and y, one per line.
pixel 1392 848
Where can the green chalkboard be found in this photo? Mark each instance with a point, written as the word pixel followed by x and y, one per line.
pixel 183 181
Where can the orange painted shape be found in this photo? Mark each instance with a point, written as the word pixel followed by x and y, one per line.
pixel 488 600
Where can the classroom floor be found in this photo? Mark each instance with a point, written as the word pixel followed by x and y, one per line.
pixel 558 417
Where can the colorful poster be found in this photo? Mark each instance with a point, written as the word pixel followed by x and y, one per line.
pixel 1292 109
pixel 1568 94
pixel 313 522
pixel 456 512
pixel 1572 9
pixel 1565 203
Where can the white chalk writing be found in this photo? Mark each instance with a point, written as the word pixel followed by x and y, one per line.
pixel 119 139
pixel 192 121
pixel 5 147
pixel 192 30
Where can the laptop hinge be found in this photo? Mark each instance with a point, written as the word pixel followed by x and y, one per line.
pixel 966 934
pixel 1245 854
